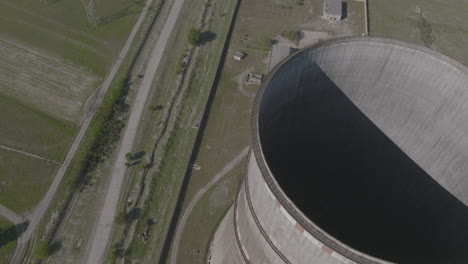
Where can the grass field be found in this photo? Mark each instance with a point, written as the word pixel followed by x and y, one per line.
pixel 7 239
pixel 440 25
pixel 32 131
pixel 262 20
pixel 23 180
pixel 88 37
pixel 44 82
pixel 53 56
pixel 206 216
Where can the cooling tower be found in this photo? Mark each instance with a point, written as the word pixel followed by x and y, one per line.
pixel 359 155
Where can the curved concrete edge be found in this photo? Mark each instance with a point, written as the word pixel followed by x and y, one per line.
pixel 225 249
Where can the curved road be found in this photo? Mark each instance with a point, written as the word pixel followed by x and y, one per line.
pixel 102 234
pixel 41 208
pixel 201 192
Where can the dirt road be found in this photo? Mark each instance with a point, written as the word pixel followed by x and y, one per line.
pixel 201 192
pixel 41 208
pixel 9 215
pixel 102 235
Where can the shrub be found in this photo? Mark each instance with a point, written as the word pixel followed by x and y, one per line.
pixel 180 66
pixel 194 36
pixel 292 35
pixel 121 218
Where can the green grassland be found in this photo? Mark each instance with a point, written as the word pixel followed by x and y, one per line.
pixel 32 131
pixel 263 20
pixel 23 180
pixel 62 28
pixel 52 58
pixel 440 25
pixel 7 239
pixel 206 216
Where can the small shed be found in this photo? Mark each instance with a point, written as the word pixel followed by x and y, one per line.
pixel 332 9
pixel 239 55
pixel 254 78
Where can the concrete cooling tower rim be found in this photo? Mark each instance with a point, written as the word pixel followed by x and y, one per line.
pixel 270 180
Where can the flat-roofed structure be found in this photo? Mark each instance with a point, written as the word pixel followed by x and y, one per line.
pixel 278 53
pixel 332 9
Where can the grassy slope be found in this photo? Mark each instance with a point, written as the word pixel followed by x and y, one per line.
pixel 23 184
pixel 8 240
pixel 33 131
pixel 398 19
pixel 37 24
pixel 206 216
pixel 117 18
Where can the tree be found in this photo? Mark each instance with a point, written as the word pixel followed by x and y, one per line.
pixel 194 36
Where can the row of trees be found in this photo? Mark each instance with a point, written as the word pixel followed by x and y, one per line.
pixel 108 135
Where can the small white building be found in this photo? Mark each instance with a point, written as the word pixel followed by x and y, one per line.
pixel 332 9
pixel 239 55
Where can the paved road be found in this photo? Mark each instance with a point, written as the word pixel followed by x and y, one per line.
pixel 10 215
pixel 29 154
pixel 102 234
pixel 201 192
pixel 41 208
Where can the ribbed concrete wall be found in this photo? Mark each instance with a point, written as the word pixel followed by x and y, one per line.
pixel 367 142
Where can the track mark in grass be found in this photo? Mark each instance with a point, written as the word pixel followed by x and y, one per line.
pixel 425 28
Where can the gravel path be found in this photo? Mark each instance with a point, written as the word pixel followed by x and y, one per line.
pixel 201 192
pixel 45 202
pixel 102 235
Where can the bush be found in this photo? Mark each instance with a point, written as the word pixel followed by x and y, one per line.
pixel 41 251
pixel 194 36
pixel 45 250
pixel 180 67
pixel 300 2
pixel 121 218
pixel 268 43
pixel 292 35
